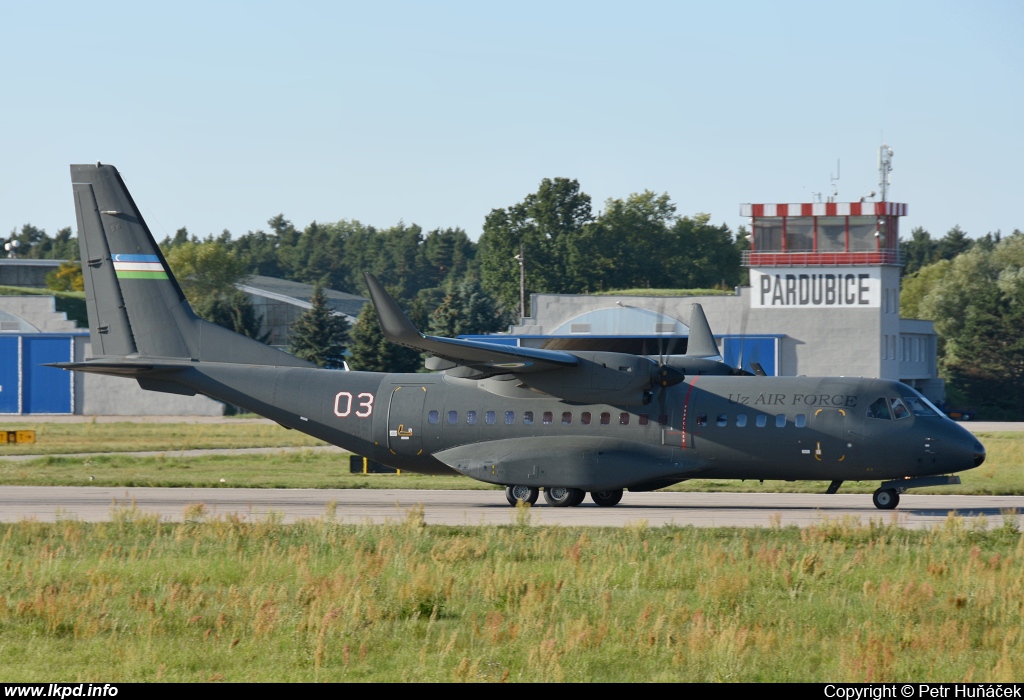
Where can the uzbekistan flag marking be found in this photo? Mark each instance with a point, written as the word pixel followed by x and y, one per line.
pixel 145 267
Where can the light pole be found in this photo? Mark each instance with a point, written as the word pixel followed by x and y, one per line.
pixel 522 283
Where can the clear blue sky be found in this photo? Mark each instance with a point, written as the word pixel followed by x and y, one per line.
pixel 223 114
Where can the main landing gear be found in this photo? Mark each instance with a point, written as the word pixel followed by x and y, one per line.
pixel 885 499
pixel 521 494
pixel 561 496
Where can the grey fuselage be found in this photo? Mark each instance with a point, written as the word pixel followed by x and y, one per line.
pixel 501 432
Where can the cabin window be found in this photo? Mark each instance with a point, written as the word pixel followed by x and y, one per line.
pixel 663 419
pixel 879 409
pixel 780 421
pixel 644 419
pixel 761 421
pixel 722 420
pixel 567 418
pixel 527 417
pixel 585 418
pixel 549 418
pixel 702 420
pixel 606 418
pixel 433 417
pixel 490 417
pixel 741 420
pixel 510 417
pixel 623 418
pixel 453 417
pixel 801 420
pixel 899 410
pixel 471 417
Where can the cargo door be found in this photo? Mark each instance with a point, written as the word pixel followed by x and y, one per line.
pixel 405 419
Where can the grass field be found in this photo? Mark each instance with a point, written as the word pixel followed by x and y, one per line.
pixel 71 438
pixel 139 600
pixel 1002 473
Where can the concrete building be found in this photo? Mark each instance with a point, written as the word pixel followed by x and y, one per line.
pixel 26 272
pixel 823 300
pixel 33 332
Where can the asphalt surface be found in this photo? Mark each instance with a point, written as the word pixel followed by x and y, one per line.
pixel 92 504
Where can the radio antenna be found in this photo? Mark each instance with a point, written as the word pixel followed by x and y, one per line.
pixel 884 171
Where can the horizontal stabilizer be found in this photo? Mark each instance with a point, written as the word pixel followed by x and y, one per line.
pixel 120 369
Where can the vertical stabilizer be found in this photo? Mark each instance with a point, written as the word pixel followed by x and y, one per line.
pixel 135 305
pixel 701 342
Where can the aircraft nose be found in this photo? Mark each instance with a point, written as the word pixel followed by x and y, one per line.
pixel 979 454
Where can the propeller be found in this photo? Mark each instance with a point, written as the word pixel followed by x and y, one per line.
pixel 665 375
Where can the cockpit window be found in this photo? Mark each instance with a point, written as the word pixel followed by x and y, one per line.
pixel 879 409
pixel 899 410
pixel 920 406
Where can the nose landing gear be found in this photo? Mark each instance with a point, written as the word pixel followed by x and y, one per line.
pixel 887 496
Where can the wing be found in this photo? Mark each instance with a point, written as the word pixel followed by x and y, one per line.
pixel 486 358
pixel 585 377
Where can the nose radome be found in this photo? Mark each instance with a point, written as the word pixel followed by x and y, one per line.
pixel 979 454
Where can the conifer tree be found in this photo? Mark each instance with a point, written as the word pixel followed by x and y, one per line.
pixel 372 352
pixel 319 335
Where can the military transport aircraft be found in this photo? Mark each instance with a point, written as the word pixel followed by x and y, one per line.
pixel 532 420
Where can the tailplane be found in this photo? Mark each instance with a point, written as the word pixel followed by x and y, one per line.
pixel 137 311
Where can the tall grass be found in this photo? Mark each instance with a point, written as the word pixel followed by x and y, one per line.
pixel 136 599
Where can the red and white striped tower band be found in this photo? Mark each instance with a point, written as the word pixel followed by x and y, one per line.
pixel 823 234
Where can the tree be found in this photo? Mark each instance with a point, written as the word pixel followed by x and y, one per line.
pixel 181 237
pixel 977 303
pixel 66 278
pixel 467 309
pixel 916 286
pixel 953 243
pixel 208 273
pixel 233 310
pixel 627 245
pixel 370 351
pixel 320 335
pixel 703 255
pixel 205 269
pixel 545 223
pixel 919 251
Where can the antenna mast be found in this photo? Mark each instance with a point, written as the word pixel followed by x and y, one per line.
pixel 884 171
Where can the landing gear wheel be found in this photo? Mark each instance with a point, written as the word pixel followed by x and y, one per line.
pixel 562 497
pixel 519 493
pixel 885 499
pixel 607 499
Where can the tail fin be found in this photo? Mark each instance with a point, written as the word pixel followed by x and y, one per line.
pixel 136 308
pixel 702 341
